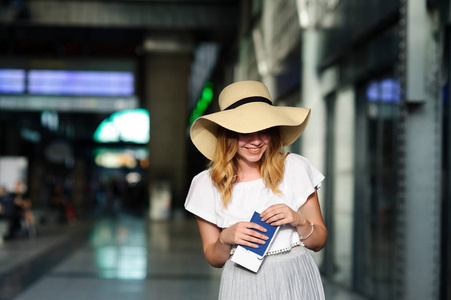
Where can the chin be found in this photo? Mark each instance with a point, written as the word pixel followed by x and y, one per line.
pixel 253 158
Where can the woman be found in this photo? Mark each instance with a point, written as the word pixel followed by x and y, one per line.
pixel 248 172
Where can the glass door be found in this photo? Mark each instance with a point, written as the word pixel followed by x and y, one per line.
pixel 446 192
pixel 374 236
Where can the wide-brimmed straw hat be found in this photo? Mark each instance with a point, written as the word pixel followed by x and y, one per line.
pixel 246 107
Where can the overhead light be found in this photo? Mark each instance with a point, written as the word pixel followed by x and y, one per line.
pixel 30 135
pixel 306 13
pixel 311 12
pixel 168 43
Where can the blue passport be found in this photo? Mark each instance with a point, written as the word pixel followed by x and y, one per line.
pixel 271 230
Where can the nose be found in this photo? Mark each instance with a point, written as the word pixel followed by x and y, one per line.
pixel 255 137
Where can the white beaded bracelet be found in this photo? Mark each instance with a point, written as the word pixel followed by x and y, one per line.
pixel 311 232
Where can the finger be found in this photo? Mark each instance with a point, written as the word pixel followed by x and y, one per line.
pixel 251 241
pixel 270 210
pixel 273 210
pixel 244 226
pixel 276 216
pixel 252 225
pixel 256 235
pixel 248 244
pixel 248 230
pixel 278 220
pixel 257 240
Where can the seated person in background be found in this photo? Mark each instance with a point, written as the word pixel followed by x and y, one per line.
pixel 20 215
pixel 6 210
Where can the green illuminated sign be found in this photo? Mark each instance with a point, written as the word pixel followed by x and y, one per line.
pixel 203 102
pixel 131 125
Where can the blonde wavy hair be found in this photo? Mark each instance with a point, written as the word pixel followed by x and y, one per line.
pixel 224 167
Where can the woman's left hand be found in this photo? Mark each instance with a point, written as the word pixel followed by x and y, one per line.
pixel 281 214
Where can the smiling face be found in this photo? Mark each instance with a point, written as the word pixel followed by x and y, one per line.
pixel 252 146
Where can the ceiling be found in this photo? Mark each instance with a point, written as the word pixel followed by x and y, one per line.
pixel 67 29
pixel 112 27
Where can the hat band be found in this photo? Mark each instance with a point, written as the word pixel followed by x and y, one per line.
pixel 248 100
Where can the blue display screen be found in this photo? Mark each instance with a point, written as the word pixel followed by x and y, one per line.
pixel 387 90
pixel 12 81
pixel 80 83
pixel 67 82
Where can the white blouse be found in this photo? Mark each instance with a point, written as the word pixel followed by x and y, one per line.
pixel 301 178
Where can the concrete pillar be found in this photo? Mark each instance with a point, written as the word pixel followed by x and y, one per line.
pixel 166 96
pixel 419 138
pixel 314 137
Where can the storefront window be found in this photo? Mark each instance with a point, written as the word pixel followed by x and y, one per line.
pixel 446 197
pixel 377 104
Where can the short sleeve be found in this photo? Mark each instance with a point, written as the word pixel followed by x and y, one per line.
pixel 303 177
pixel 202 197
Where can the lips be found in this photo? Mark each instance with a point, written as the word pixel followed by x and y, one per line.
pixel 254 150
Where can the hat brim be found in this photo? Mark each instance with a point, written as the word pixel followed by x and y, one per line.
pixel 249 118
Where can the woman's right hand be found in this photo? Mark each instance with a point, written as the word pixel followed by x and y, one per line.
pixel 243 233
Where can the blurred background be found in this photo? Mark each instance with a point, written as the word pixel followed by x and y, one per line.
pixel 96 102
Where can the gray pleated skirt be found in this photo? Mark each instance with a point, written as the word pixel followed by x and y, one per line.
pixel 291 275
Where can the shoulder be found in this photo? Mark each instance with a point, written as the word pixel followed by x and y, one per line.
pixel 202 178
pixel 298 166
pixel 202 182
pixel 202 197
pixel 296 161
pixel 301 178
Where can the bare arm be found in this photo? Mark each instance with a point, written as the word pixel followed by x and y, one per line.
pixel 311 212
pixel 280 214
pixel 215 251
pixel 217 243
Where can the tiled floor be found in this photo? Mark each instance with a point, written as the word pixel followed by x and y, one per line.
pixel 122 258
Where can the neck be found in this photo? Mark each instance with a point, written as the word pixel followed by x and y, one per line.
pixel 248 172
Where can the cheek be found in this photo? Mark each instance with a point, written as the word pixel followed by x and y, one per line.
pixel 241 143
